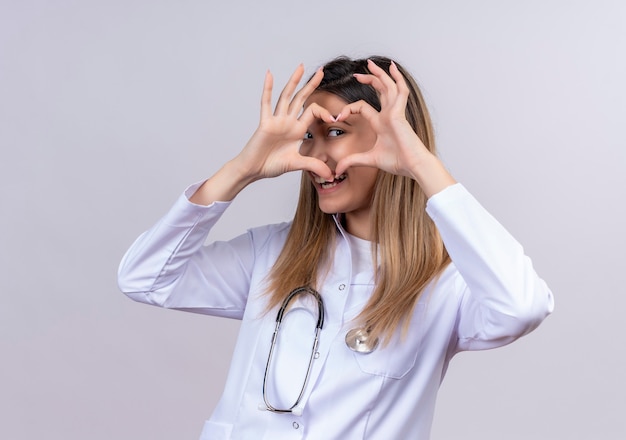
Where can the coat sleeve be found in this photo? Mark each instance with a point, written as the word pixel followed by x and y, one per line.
pixel 169 266
pixel 503 297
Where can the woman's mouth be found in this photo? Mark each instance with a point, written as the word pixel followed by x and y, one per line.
pixel 327 184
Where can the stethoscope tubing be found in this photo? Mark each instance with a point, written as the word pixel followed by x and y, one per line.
pixel 318 329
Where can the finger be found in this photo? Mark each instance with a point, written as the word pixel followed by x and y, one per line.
pixel 371 80
pixel 266 97
pixel 388 83
pixel 285 96
pixel 315 111
pixel 314 165
pixel 359 108
pixel 303 94
pixel 401 83
pixel 397 76
pixel 355 160
pixel 389 97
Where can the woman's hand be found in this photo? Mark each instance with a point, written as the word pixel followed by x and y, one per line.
pixel 397 149
pixel 274 147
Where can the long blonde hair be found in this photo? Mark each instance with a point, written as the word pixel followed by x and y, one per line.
pixel 407 248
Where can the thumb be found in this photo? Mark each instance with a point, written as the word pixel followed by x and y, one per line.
pixel 316 166
pixel 355 160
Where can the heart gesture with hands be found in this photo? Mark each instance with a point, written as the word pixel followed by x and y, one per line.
pixel 274 147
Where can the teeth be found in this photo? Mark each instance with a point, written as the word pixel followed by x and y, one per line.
pixel 325 184
pixel 336 180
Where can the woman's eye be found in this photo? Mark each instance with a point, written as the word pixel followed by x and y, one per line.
pixel 308 135
pixel 335 132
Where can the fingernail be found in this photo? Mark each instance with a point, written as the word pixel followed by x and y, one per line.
pixel 337 117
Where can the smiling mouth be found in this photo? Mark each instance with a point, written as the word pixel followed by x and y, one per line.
pixel 326 184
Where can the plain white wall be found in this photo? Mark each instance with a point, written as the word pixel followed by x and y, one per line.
pixel 109 108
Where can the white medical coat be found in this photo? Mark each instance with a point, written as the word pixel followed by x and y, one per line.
pixel 487 297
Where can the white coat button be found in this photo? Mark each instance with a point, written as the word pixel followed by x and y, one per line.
pixel 295 425
pixel 342 286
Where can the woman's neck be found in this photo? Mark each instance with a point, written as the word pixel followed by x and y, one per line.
pixel 358 224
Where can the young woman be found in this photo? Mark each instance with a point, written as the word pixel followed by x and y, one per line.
pixel 351 312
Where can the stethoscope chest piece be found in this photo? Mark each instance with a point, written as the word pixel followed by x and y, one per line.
pixel 359 340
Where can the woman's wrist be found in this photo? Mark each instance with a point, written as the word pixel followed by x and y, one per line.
pixel 224 185
pixel 431 175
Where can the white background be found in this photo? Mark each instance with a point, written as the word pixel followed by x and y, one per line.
pixel 109 108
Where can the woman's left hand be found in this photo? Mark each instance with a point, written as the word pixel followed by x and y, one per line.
pixel 397 149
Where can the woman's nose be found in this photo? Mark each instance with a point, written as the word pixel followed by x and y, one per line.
pixel 314 148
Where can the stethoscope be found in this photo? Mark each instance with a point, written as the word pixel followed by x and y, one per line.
pixel 357 340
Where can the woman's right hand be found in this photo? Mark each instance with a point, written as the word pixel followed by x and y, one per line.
pixel 274 148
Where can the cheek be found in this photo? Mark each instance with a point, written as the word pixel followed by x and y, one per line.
pixel 367 178
pixel 373 177
pixel 365 143
pixel 357 144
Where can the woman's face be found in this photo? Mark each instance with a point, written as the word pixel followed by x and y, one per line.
pixel 350 193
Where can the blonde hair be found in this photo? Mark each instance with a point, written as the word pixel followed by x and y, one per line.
pixel 407 248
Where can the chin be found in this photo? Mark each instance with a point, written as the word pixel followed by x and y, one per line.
pixel 329 208
pixel 326 210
